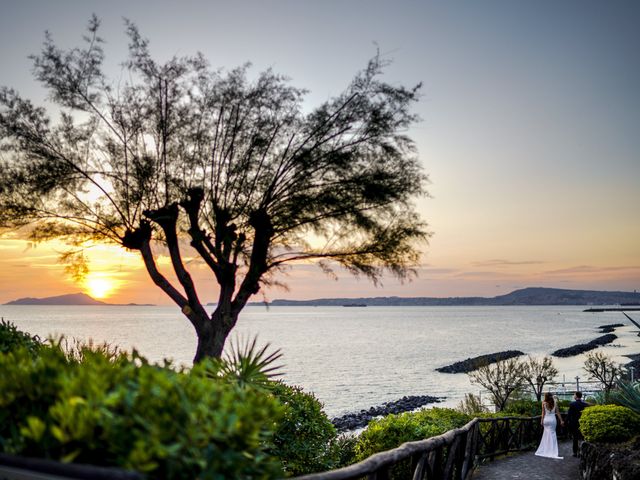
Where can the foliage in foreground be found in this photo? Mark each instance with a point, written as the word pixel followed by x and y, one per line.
pixel 393 430
pixel 122 411
pixel 305 437
pixel 94 404
pixel 11 338
pixel 609 423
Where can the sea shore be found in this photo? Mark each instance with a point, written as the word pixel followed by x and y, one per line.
pixel 353 421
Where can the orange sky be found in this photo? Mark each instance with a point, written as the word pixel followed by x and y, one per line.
pixel 529 131
pixel 118 276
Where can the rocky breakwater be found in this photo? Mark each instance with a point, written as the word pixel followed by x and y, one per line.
pixel 474 363
pixel 585 347
pixel 610 327
pixel 352 421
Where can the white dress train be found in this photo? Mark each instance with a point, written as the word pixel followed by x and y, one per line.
pixel 549 443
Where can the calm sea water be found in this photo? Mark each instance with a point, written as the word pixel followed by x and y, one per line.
pixel 351 358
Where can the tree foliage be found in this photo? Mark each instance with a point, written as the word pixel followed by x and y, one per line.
pixel 212 165
pixel 602 368
pixel 537 372
pixel 501 379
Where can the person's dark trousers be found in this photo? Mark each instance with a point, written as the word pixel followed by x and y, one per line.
pixel 573 417
pixel 577 436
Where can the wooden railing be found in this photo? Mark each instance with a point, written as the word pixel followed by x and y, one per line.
pixel 499 436
pixel 450 456
pixel 447 456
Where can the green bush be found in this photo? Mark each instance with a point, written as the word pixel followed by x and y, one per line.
pixel 393 430
pixel 609 423
pixel 304 438
pixel 471 405
pixel 118 410
pixel 344 450
pixel 11 338
pixel 530 408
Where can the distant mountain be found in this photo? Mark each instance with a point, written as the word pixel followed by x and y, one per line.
pixel 70 299
pixel 525 296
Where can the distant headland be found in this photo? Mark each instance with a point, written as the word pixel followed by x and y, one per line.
pixel 526 296
pixel 70 299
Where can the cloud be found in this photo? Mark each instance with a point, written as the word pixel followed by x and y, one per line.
pixel 479 274
pixel 590 270
pixel 505 263
pixel 438 271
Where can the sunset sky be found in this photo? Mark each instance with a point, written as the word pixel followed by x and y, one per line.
pixel 530 130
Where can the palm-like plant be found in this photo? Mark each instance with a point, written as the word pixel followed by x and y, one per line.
pixel 247 364
pixel 628 395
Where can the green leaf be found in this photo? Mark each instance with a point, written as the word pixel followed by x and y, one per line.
pixel 35 428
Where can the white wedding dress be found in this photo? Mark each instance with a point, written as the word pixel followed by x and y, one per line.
pixel 549 443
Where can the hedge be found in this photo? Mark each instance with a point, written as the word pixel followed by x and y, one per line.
pixel 609 423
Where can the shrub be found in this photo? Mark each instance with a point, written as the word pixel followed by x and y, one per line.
pixel 305 436
pixel 393 430
pixel 471 405
pixel 530 408
pixel 609 423
pixel 344 450
pixel 118 410
pixel 11 338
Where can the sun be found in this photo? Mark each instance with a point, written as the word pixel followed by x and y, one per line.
pixel 98 287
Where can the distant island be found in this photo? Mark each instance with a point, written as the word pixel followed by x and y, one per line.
pixel 526 296
pixel 71 299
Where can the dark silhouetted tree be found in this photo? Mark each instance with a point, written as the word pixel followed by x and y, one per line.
pixel 195 162
pixel 601 367
pixel 501 379
pixel 537 372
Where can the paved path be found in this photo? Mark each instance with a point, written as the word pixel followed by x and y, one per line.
pixel 528 466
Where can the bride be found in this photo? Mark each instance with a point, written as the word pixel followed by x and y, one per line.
pixel 549 443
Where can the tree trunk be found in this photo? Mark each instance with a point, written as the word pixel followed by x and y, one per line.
pixel 213 334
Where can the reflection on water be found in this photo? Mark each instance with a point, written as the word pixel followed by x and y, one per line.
pixel 351 358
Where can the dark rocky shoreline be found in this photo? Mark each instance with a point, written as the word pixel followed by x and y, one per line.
pixel 474 363
pixel 610 327
pixel 585 347
pixel 351 421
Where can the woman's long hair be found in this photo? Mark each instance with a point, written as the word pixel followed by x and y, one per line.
pixel 548 398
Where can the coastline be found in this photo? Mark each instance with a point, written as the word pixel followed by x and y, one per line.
pixel 352 358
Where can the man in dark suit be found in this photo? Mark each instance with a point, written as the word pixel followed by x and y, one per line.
pixel 573 416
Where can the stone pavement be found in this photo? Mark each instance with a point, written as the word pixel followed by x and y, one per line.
pixel 526 466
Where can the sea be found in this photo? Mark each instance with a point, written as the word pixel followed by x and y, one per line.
pixel 352 358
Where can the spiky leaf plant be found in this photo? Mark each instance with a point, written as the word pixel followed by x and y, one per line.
pixel 248 365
